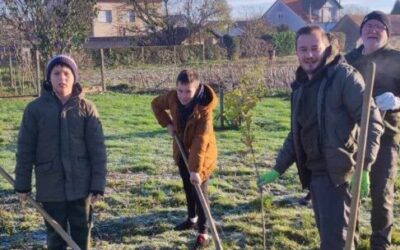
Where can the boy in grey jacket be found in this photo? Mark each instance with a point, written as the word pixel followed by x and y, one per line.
pixel 61 138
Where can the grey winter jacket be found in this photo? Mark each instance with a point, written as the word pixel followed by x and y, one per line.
pixel 65 144
pixel 339 101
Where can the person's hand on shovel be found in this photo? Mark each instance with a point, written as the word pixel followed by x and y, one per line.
pixel 95 196
pixel 171 130
pixel 195 178
pixel 23 197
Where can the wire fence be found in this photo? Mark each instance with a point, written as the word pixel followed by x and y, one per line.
pixel 138 69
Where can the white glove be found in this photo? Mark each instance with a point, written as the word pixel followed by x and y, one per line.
pixel 387 101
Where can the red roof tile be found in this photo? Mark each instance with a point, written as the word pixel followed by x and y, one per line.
pixel 297 7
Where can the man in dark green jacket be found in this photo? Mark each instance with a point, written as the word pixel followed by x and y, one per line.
pixel 61 137
pixel 326 105
pixel 375 33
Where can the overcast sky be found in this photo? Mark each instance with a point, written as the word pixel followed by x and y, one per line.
pixel 243 8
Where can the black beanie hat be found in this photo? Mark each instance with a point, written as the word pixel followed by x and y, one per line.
pixel 63 59
pixel 379 16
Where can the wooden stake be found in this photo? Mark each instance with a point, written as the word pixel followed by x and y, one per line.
pixel 362 141
pixel 37 58
pixel 103 84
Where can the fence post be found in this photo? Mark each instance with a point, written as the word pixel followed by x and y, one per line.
pixel 204 53
pixel 175 55
pixel 221 104
pixel 103 84
pixel 22 77
pixel 142 55
pixel 37 58
pixel 12 82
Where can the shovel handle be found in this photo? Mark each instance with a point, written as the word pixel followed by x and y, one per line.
pixel 45 215
pixel 202 199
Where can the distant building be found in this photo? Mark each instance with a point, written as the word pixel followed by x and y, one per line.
pixel 117 18
pixel 349 25
pixel 298 13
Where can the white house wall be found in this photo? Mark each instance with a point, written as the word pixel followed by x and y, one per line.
pixel 329 12
pixel 281 14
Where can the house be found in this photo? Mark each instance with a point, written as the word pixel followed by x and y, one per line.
pixel 117 18
pixel 396 8
pixel 118 26
pixel 349 25
pixel 298 13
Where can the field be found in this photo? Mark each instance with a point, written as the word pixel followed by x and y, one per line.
pixel 144 197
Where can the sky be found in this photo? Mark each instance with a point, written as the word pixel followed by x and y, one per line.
pixel 247 8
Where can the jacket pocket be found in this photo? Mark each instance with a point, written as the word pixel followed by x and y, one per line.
pixel 83 162
pixel 44 167
pixel 311 148
pixel 346 138
pixel 49 181
pixel 340 161
pixel 82 174
pixel 82 168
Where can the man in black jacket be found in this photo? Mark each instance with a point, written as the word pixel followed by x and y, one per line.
pixel 326 105
pixel 375 34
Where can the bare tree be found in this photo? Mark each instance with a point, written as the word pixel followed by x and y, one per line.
pixel 149 12
pixel 50 26
pixel 253 42
pixel 198 16
pixel 200 13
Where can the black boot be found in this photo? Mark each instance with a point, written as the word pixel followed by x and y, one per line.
pixel 187 224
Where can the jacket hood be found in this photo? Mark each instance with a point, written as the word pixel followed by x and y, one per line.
pixel 208 100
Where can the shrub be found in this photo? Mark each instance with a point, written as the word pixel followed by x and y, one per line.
pixel 242 99
pixel 284 42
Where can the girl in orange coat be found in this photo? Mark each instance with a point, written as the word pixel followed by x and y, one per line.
pixel 190 117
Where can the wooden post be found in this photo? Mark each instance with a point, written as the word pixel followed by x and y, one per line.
pixel 37 58
pixel 22 77
pixel 362 141
pixel 221 104
pixel 11 70
pixel 175 55
pixel 204 53
pixel 142 55
pixel 103 84
pixel 3 56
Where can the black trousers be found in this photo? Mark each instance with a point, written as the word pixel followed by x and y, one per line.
pixel 73 215
pixel 383 176
pixel 192 200
pixel 331 206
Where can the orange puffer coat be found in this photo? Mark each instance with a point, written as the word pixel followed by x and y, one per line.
pixel 198 135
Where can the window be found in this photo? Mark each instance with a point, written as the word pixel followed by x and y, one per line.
pixel 122 31
pixel 130 16
pixel 104 16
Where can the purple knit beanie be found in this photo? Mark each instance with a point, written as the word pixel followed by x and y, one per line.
pixel 66 60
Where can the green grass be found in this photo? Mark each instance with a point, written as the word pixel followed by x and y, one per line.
pixel 144 197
